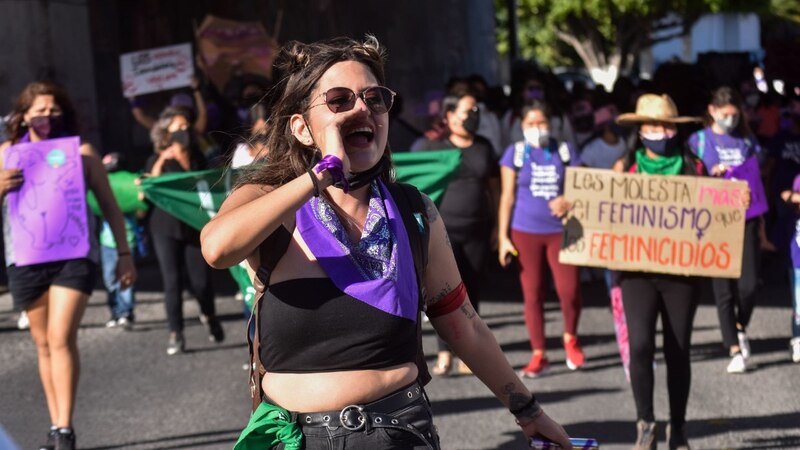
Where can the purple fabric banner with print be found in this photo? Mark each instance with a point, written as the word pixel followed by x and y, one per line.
pixel 749 171
pixel 47 213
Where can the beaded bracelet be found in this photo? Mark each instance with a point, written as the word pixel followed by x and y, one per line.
pixel 532 405
pixel 335 167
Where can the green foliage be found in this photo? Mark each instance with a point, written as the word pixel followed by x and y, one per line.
pixel 594 32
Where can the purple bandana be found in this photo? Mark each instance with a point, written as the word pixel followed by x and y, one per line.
pixel 379 269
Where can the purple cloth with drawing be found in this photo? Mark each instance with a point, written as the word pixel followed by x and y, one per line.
pixel 47 213
pixel 794 246
pixel 384 280
pixel 750 172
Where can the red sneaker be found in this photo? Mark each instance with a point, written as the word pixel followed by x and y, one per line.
pixel 537 367
pixel 575 356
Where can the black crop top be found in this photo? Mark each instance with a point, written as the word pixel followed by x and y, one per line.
pixel 310 325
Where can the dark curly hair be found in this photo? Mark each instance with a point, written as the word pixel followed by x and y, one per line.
pixel 297 69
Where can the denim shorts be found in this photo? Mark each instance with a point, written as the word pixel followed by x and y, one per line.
pixel 418 414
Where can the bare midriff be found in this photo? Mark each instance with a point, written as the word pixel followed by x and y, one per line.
pixel 329 391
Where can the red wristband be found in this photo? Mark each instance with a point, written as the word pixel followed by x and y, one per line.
pixel 449 303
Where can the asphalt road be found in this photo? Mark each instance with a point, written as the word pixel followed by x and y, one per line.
pixel 133 396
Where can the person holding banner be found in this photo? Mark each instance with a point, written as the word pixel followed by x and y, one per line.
pixel 55 291
pixel 531 207
pixel 725 144
pixel 647 295
pixel 340 249
pixel 469 204
pixel 176 244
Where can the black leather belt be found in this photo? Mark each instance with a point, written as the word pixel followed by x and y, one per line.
pixel 360 417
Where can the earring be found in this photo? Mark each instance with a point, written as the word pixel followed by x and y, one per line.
pixel 23 124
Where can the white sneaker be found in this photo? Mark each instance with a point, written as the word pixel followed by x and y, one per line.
pixel 22 322
pixel 744 344
pixel 795 344
pixel 737 364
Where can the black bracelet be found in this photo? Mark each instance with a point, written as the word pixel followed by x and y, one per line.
pixel 522 409
pixel 315 181
pixel 123 253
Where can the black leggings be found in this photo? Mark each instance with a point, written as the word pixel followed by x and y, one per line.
pixel 174 256
pixel 736 298
pixel 470 250
pixel 644 297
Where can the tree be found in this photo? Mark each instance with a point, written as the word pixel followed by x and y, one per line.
pixel 607 35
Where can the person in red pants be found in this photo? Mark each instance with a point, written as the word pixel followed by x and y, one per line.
pixel 529 226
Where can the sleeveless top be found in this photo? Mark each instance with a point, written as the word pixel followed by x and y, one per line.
pixel 310 325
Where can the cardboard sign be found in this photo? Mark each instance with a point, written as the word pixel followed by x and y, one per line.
pixel 750 172
pixel 649 223
pixel 157 69
pixel 47 213
pixel 228 46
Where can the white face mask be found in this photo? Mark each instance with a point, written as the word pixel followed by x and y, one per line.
pixel 535 136
pixel 727 123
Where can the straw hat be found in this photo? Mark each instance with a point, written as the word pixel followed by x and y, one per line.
pixel 654 108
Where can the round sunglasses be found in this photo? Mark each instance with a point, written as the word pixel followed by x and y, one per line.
pixel 379 99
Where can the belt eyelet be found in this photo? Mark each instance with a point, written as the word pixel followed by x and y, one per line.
pixel 410 394
pixel 308 419
pixel 326 419
pixel 378 420
pixel 394 422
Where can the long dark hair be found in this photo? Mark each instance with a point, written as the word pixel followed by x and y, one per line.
pixel 724 96
pixel 298 68
pixel 16 124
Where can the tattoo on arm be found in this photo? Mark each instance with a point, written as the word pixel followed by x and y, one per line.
pixel 430 209
pixel 440 295
pixel 516 400
pixel 469 312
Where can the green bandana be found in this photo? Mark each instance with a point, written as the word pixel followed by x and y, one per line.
pixel 269 426
pixel 660 165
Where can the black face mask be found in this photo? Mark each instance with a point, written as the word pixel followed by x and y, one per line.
pixel 360 179
pixel 181 137
pixel 664 147
pixel 472 122
pixel 47 127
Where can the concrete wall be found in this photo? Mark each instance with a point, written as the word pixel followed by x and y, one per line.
pixel 49 40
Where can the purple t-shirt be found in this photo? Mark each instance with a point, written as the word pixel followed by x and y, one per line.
pixel 730 150
pixel 795 244
pixel 540 178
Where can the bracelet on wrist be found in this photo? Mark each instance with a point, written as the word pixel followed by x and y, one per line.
pixel 315 181
pixel 123 253
pixel 334 166
pixel 530 409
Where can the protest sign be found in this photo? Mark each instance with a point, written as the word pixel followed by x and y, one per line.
pixel 751 173
pixel 228 46
pixel 156 69
pixel 649 223
pixel 47 213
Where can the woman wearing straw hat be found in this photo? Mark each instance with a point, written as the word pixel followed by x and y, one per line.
pixel 647 294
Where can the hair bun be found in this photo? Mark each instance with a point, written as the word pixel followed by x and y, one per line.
pixel 293 56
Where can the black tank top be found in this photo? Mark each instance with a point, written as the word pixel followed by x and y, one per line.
pixel 310 325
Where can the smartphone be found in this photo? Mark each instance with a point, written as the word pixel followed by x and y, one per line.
pixel 577 444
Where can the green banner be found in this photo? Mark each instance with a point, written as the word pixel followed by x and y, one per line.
pixel 195 197
pixel 126 189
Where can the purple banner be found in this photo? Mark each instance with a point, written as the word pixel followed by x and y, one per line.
pixel 48 212
pixel 749 171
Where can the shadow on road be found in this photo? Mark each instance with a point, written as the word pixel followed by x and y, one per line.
pixel 172 442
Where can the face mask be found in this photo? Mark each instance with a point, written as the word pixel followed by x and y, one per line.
pixel 663 145
pixel 472 122
pixel 534 94
pixel 181 137
pixel 727 123
pixel 361 179
pixel 47 126
pixel 535 136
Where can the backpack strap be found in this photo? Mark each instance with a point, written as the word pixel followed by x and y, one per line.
pixel 519 154
pixel 270 252
pixel 412 209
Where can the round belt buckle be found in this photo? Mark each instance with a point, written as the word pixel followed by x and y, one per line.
pixel 362 419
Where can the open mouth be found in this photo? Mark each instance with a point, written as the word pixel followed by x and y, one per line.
pixel 359 137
